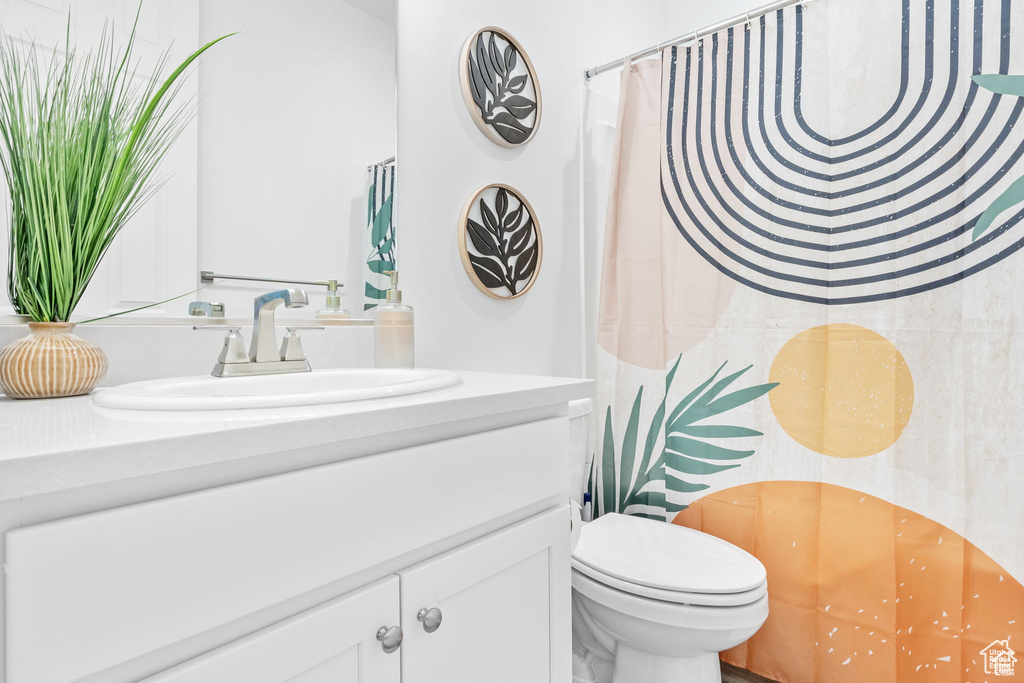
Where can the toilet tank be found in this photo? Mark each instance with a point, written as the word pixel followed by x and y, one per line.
pixel 581 445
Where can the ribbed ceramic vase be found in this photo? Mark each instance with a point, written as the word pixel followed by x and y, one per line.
pixel 51 362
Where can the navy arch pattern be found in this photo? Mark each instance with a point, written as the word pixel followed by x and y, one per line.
pixel 719 205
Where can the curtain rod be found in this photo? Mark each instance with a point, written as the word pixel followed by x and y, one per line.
pixel 695 35
pixel 385 162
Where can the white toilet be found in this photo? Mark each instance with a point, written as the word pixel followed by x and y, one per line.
pixel 656 602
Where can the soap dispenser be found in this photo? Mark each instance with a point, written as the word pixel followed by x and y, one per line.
pixel 333 310
pixel 392 329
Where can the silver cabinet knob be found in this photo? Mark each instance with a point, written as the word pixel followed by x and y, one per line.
pixel 390 638
pixel 431 618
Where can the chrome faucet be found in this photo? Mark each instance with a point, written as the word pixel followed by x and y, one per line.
pixel 264 356
pixel 263 348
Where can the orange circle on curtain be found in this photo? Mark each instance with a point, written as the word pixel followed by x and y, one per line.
pixel 844 391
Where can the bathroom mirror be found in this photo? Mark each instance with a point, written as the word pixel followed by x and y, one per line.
pixel 294 117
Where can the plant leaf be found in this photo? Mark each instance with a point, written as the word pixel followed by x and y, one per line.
pixel 685 403
pixel 496 61
pixel 501 204
pixel 484 63
pixel 519 238
pixel 519 106
pixel 1001 84
pixel 718 388
pixel 701 449
pixel 657 499
pixel 477 85
pixel 525 264
pixel 628 454
pixel 371 292
pixel 490 222
pixel 688 465
pixel 717 431
pixel 385 249
pixel 738 398
pixel 1011 197
pixel 509 128
pixel 704 407
pixel 510 58
pixel 517 84
pixel 488 271
pixel 381 222
pixel 483 241
pixel 608 466
pixel 678 485
pixel 657 423
pixel 380 266
pixel 512 219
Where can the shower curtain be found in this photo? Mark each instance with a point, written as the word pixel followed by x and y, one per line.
pixel 379 242
pixel 810 327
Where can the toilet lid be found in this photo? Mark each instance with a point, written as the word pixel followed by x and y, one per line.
pixel 666 556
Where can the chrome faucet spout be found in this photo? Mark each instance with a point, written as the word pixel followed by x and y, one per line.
pixel 263 348
pixel 291 298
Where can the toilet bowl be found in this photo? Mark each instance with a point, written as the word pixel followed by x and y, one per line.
pixel 656 602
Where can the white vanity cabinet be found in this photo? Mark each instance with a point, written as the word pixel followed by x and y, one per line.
pixel 500 611
pixel 289 577
pixel 334 643
pixel 502 602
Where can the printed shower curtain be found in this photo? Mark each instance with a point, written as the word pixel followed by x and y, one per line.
pixel 810 327
pixel 379 243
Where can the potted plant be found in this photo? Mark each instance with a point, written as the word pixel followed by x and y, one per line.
pixel 79 144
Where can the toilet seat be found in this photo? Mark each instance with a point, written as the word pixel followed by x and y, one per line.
pixel 668 562
pixel 678 597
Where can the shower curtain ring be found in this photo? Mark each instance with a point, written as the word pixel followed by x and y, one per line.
pixel 747 22
pixel 695 37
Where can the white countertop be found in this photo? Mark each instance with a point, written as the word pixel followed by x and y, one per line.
pixel 58 444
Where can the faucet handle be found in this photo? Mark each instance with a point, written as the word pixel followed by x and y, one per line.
pixel 291 345
pixel 233 350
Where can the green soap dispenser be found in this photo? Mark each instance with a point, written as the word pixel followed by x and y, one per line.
pixel 393 329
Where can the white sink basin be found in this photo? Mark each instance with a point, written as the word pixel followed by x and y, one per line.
pixel 272 391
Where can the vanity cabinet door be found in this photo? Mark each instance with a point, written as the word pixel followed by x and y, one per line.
pixel 333 643
pixel 504 603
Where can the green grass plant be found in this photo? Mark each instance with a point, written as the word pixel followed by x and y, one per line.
pixel 80 141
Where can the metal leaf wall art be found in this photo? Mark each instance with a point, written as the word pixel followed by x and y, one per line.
pixel 500 87
pixel 500 242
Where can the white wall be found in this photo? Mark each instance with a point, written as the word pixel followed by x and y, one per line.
pixel 443 158
pixel 293 111
pixel 686 16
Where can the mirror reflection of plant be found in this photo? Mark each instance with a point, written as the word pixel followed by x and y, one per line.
pixel 497 90
pixel 507 244
pixel 686 448
pixel 80 144
pixel 1001 84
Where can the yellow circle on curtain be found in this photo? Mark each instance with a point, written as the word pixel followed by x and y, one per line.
pixel 844 390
